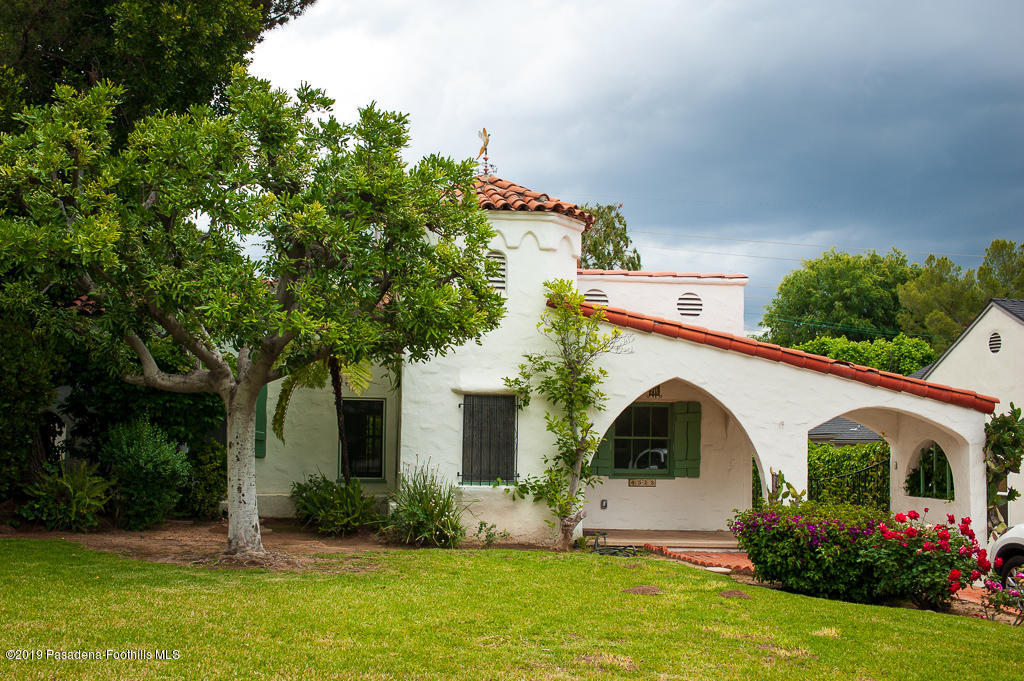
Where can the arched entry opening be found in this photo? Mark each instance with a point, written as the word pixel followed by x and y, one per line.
pixel 673 458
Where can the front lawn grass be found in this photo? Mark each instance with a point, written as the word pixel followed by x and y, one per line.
pixel 436 614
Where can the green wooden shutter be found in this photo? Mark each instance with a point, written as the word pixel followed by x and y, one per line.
pixel 686 439
pixel 261 423
pixel 602 464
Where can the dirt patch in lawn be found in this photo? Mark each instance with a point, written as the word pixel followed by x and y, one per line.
pixel 201 544
pixel 644 590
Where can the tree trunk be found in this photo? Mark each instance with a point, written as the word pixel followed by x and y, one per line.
pixel 243 517
pixel 339 403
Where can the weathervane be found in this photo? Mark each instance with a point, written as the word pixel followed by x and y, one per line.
pixel 486 168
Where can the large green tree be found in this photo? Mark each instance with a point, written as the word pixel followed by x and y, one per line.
pixel 838 293
pixel 945 298
pixel 606 245
pixel 168 55
pixel 257 241
pixel 902 354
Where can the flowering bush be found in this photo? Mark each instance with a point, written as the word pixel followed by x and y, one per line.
pixel 857 554
pixel 810 548
pixel 1006 599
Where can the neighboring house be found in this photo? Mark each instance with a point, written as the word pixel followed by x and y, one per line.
pixel 989 356
pixel 689 404
pixel 840 431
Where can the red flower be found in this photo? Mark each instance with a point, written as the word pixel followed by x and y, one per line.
pixel 900 518
pixel 951 518
pixel 928 546
pixel 954 587
pixel 999 563
pixel 954 575
pixel 914 515
pixel 911 532
pixel 943 534
pixel 944 545
pixel 974 575
pixel 925 509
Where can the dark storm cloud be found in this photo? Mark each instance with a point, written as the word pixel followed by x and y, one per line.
pixel 856 124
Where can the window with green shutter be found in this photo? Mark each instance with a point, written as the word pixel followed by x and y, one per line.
pixel 652 440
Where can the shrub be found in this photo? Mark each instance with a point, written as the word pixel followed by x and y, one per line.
pixel 149 470
pixel 830 469
pixel 207 482
pixel 859 554
pixel 68 497
pixel 809 548
pixel 426 511
pixel 331 507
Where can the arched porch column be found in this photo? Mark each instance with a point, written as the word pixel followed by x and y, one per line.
pixel 781 446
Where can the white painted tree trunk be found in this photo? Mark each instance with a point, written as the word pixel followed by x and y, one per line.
pixel 243 517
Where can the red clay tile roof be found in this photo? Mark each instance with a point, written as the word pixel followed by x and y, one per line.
pixel 642 273
pixel 727 341
pixel 494 193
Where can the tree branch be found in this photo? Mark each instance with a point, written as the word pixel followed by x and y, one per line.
pixel 195 381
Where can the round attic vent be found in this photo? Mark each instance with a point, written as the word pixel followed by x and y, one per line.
pixel 596 297
pixel 689 305
pixel 995 342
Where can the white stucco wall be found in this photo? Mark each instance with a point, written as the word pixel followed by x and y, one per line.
pixel 970 364
pixel 537 247
pixel 702 503
pixel 311 434
pixel 722 298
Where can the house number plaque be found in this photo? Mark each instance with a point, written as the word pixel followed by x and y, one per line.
pixel 644 482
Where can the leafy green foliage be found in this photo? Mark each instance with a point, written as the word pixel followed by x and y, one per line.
pixel 944 299
pixel 567 378
pixel 98 401
pixel 149 469
pixel 365 258
pixel 30 365
pixel 489 533
pixel 606 245
pixel 357 376
pixel 840 293
pixel 1004 448
pixel 67 497
pixel 931 477
pixel 169 56
pixel 901 355
pixel 207 481
pixel 859 554
pixel 830 472
pixel 332 508
pixel 426 510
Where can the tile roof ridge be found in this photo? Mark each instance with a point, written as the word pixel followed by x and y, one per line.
pixel 826 365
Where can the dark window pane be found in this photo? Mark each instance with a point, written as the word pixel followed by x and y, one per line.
pixel 364 435
pixel 642 421
pixel 659 421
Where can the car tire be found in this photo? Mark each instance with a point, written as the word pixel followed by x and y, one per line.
pixel 1011 565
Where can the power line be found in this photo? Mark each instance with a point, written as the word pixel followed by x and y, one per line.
pixel 794 243
pixel 738 255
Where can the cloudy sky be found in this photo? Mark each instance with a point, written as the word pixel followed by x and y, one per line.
pixel 739 136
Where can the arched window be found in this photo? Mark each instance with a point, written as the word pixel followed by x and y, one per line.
pixel 689 305
pixel 499 280
pixel 932 477
pixel 596 297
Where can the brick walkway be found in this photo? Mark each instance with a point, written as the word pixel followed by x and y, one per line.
pixel 736 561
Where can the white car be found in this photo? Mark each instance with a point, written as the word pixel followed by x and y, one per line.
pixel 1009 547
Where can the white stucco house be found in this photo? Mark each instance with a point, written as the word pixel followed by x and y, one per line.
pixel 989 356
pixel 689 405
